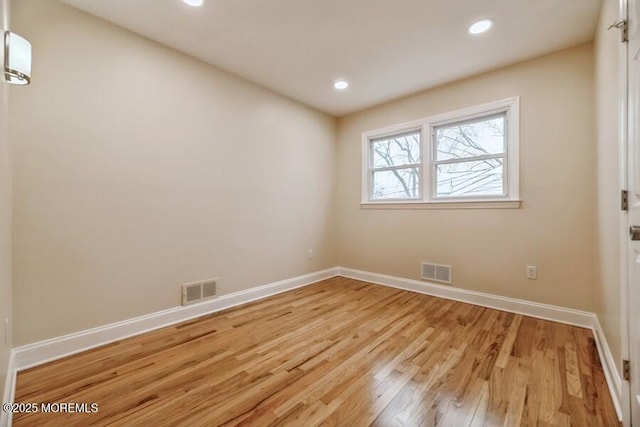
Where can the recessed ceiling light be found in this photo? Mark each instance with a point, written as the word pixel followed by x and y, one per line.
pixel 341 85
pixel 194 2
pixel 481 26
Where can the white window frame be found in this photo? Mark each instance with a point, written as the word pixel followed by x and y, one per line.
pixel 427 192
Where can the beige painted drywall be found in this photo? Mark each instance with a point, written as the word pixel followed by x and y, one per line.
pixel 5 210
pixel 489 249
pixel 138 168
pixel 608 214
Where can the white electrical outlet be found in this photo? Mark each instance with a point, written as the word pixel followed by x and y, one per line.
pixel 532 272
pixel 310 254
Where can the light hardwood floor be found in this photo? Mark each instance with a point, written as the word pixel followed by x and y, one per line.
pixel 338 352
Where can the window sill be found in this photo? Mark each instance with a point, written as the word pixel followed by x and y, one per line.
pixel 480 204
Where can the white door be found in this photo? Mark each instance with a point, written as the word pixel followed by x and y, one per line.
pixel 634 204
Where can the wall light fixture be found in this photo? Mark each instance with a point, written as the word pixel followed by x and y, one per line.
pixel 17 59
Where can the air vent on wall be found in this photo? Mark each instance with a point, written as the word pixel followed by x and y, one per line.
pixel 437 272
pixel 198 291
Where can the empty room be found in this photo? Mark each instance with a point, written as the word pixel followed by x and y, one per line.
pixel 336 212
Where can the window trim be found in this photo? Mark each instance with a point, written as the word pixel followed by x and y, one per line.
pixel 427 194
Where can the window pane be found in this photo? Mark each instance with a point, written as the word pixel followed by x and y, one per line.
pixel 470 139
pixel 396 184
pixel 396 150
pixel 476 178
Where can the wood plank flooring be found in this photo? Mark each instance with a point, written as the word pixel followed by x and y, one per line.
pixel 339 352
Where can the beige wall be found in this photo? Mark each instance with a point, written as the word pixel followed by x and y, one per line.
pixel 5 208
pixel 489 249
pixel 609 216
pixel 138 169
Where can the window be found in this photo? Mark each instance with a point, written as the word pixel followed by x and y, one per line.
pixel 395 166
pixel 467 157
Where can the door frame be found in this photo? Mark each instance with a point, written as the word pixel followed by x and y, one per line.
pixel 623 150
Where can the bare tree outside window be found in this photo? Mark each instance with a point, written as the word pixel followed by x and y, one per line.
pixel 470 158
pixel 396 166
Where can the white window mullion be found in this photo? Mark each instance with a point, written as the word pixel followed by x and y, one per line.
pixel 390 168
pixel 427 170
pixel 470 159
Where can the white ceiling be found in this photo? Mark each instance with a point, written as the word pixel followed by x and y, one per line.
pixel 384 48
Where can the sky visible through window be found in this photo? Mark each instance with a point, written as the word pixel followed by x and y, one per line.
pixel 399 156
pixel 460 145
pixel 469 161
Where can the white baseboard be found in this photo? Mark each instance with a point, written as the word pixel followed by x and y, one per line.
pixel 554 313
pixel 45 351
pixel 609 366
pixel 9 390
pixel 542 311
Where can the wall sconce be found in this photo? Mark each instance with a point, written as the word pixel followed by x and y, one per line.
pixel 17 59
